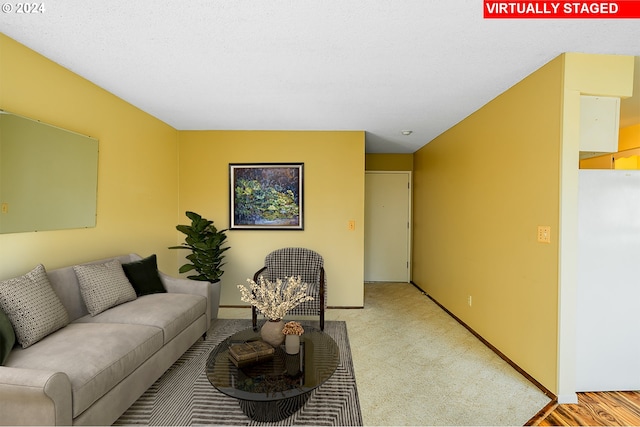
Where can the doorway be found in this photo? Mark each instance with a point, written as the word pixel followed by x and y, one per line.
pixel 387 227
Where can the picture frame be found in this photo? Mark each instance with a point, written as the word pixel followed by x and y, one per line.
pixel 266 196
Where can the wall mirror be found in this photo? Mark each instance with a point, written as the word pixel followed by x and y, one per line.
pixel 48 176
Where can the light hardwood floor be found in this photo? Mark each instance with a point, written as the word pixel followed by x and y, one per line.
pixel 620 408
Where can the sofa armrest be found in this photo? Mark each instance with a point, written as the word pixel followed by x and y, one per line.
pixel 187 286
pixel 34 397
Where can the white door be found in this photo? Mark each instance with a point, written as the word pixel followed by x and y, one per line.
pixel 387 226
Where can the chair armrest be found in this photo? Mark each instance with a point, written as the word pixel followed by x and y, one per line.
pixel 195 287
pixel 256 276
pixel 34 397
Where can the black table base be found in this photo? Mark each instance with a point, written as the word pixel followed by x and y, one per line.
pixel 277 388
pixel 274 410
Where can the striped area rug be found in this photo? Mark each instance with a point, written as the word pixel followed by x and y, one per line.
pixel 184 396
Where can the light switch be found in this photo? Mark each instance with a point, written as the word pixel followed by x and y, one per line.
pixel 544 234
pixel 5 208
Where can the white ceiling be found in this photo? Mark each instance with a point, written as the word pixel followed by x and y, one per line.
pixel 382 66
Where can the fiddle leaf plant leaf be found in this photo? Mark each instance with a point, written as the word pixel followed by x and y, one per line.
pixel 205 242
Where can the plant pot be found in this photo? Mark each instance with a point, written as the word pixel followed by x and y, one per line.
pixel 271 332
pixel 214 297
pixel 292 344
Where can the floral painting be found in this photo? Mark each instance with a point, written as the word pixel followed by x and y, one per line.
pixel 266 196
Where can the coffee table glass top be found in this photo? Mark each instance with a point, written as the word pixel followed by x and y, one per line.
pixel 281 377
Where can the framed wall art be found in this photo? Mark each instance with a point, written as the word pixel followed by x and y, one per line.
pixel 266 196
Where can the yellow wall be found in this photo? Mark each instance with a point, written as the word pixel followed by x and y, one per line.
pixel 627 163
pixel 142 196
pixel 389 162
pixel 597 162
pixel 629 137
pixel 480 191
pixel 333 195
pixel 137 167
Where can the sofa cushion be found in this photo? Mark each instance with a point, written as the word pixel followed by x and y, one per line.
pixel 7 337
pixel 103 285
pixel 170 312
pixel 65 284
pixel 144 276
pixel 32 306
pixel 95 357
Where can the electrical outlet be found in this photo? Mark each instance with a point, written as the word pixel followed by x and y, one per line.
pixel 351 225
pixel 5 208
pixel 544 234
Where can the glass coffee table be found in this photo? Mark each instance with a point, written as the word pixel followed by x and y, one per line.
pixel 274 389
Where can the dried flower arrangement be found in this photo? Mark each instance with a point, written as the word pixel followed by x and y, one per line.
pixel 293 328
pixel 275 299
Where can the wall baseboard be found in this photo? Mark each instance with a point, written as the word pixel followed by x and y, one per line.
pixel 535 382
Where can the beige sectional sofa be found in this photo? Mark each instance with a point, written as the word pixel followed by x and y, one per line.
pixel 89 371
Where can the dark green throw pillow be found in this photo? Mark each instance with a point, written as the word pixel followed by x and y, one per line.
pixel 7 337
pixel 144 276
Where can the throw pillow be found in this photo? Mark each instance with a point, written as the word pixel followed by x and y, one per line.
pixel 32 306
pixel 7 337
pixel 103 286
pixel 143 275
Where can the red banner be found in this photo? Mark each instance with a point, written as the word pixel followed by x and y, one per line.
pixel 622 9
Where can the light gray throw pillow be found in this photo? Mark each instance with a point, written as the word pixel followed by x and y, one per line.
pixel 32 306
pixel 103 286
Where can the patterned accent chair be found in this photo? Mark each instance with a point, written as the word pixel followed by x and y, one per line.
pixel 307 264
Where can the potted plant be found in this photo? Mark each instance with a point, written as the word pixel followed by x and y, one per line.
pixel 205 242
pixel 274 300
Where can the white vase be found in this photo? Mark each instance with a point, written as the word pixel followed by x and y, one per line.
pixel 292 344
pixel 271 332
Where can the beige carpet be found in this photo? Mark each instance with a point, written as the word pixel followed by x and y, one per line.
pixel 415 365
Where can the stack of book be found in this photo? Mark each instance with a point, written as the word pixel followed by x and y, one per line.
pixel 251 352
